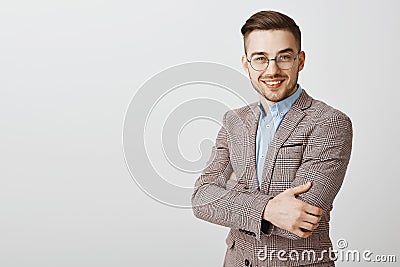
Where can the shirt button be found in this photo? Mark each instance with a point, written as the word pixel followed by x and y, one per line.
pixel 281 114
pixel 268 125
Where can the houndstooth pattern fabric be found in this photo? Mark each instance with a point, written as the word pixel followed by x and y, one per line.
pixel 313 143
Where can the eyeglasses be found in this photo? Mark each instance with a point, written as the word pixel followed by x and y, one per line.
pixel 284 61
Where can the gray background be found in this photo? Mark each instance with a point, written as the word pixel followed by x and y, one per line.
pixel 68 72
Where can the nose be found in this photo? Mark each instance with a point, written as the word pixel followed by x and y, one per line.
pixel 272 67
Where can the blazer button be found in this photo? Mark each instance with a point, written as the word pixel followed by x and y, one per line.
pixel 246 262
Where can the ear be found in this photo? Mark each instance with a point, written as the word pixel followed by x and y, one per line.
pixel 302 59
pixel 245 63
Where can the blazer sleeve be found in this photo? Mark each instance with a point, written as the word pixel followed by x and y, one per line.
pixel 213 202
pixel 325 160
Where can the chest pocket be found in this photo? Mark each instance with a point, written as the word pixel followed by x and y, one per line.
pixel 288 160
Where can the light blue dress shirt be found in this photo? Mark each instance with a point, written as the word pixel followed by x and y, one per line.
pixel 268 124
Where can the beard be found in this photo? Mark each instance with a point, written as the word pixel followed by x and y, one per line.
pixel 282 92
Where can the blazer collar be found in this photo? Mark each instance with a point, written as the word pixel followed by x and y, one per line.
pixel 303 102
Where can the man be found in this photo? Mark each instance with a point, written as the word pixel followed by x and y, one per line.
pixel 278 164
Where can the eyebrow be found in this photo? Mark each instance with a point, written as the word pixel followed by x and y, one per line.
pixel 264 53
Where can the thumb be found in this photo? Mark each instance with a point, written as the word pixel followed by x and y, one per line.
pixel 301 188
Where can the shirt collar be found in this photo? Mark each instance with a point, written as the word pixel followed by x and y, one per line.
pixel 282 107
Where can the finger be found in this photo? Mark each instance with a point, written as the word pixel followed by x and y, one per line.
pixel 302 234
pixel 300 189
pixel 310 218
pixel 313 210
pixel 312 228
pixel 309 226
pixel 306 226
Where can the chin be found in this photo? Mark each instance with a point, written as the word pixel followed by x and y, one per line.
pixel 273 97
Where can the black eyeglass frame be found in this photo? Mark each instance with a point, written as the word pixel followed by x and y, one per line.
pixel 276 60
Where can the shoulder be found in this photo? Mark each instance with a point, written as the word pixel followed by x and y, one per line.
pixel 242 114
pixel 325 115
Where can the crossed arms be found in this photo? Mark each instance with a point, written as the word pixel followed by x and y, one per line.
pixel 295 212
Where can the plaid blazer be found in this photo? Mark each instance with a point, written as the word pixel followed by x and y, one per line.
pixel 313 143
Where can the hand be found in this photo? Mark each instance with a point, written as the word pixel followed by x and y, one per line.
pixel 287 212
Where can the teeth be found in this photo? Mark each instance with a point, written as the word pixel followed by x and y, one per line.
pixel 273 83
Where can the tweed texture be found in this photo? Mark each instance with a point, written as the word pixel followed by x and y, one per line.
pixel 313 143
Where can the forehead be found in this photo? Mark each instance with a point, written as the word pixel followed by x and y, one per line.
pixel 270 41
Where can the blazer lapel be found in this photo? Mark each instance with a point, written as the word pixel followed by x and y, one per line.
pixel 252 124
pixel 288 125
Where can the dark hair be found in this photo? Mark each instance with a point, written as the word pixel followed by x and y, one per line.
pixel 271 20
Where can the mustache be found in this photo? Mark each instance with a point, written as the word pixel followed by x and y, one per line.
pixel 270 77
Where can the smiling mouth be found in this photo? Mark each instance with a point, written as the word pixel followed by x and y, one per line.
pixel 273 83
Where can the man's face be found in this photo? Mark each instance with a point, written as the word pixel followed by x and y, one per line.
pixel 273 83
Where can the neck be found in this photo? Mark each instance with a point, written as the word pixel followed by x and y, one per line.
pixel 265 103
